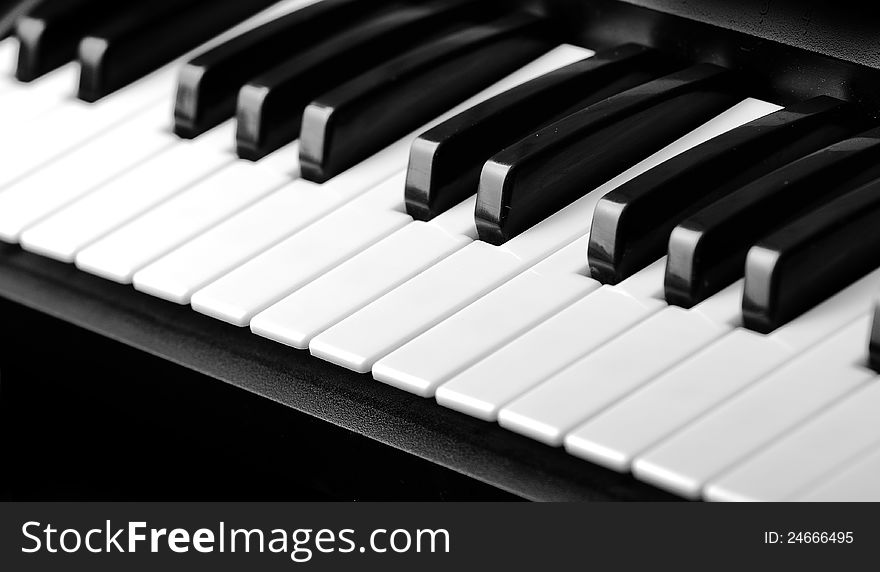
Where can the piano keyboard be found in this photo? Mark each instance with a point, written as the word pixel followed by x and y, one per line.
pixel 612 252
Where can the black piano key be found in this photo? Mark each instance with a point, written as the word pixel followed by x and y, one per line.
pixel 359 118
pixel 270 106
pixel 632 224
pixel 874 345
pixel 812 258
pixel 548 170
pixel 445 162
pixel 50 33
pixel 145 38
pixel 707 251
pixel 208 84
pixel 11 11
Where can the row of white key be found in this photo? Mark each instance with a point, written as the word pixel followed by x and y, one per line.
pixel 690 459
pixel 262 226
pixel 301 258
pixel 515 307
pixel 302 315
pixel 853 482
pixel 64 234
pixel 833 399
pixel 686 392
pixel 559 404
pixel 28 201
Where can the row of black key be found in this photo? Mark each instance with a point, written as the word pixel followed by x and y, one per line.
pixel 119 42
pixel 534 150
pixel 789 201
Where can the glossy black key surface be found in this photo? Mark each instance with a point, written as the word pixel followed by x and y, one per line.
pixel 548 170
pixel 445 162
pixel 50 33
pixel 209 83
pixel 874 346
pixel 144 38
pixel 632 223
pixel 11 11
pixel 707 251
pixel 812 258
pixel 270 107
pixel 364 115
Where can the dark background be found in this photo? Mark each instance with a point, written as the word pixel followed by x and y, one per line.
pixel 85 418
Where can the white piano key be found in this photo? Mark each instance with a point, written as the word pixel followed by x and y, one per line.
pixel 375 331
pixel 815 449
pixel 179 274
pixel 723 437
pixel 238 240
pixel 457 343
pixel 803 458
pixel 71 124
pixel 293 263
pixel 63 234
pixel 857 482
pixel 8 63
pixel 25 102
pixel 100 160
pixel 120 254
pixel 556 406
pixel 301 316
pixel 618 434
pixel 725 307
pixel 239 295
pixel 305 257
pixel 710 377
pixel 620 367
pixel 483 389
pixel 459 220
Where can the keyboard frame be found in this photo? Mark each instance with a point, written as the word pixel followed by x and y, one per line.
pixel 788 50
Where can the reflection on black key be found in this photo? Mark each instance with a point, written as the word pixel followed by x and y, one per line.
pixel 874 350
pixel 707 251
pixel 445 162
pixel 209 83
pixel 147 37
pixel 50 33
pixel 812 258
pixel 362 116
pixel 270 107
pixel 546 171
pixel 11 11
pixel 632 223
